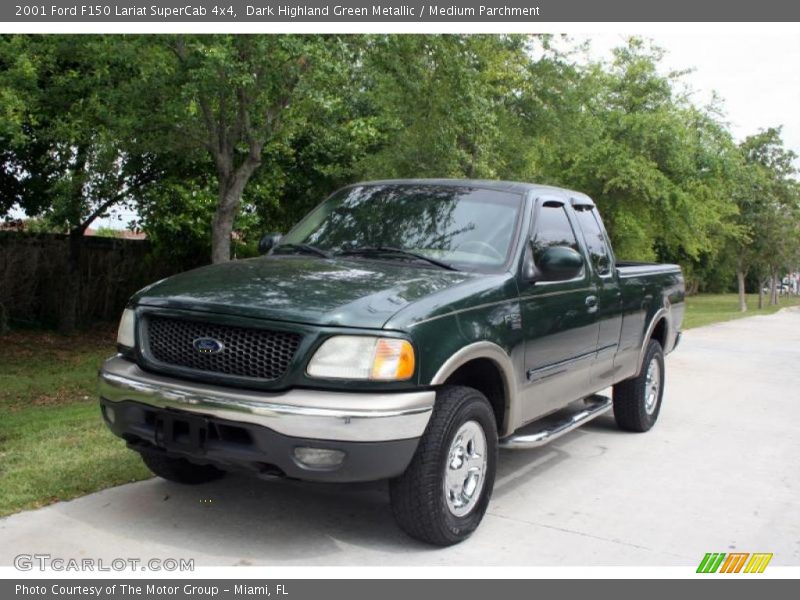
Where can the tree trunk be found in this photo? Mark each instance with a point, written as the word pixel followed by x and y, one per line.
pixel 771 281
pixel 773 297
pixel 68 315
pixel 761 284
pixel 742 299
pixel 231 186
pixel 71 290
pixel 221 229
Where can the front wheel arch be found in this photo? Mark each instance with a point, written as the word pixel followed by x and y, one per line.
pixel 500 361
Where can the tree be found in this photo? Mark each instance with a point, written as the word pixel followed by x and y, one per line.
pixel 768 206
pixel 247 133
pixel 239 96
pixel 628 136
pixel 441 104
pixel 74 144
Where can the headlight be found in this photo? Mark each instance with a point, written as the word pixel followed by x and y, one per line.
pixel 125 333
pixel 363 357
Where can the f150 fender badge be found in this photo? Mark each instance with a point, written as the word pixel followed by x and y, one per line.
pixel 205 345
pixel 513 321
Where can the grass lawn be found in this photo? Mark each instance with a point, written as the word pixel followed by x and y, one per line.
pixel 53 443
pixel 711 308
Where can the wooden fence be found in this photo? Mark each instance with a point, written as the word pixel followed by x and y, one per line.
pixel 33 268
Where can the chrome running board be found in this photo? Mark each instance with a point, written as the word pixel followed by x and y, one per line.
pixel 538 434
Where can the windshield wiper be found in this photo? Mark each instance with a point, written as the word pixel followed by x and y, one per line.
pixel 388 250
pixel 307 248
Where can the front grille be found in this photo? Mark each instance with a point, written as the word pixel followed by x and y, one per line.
pixel 246 352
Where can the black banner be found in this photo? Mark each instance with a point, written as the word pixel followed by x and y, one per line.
pixel 398 589
pixel 398 11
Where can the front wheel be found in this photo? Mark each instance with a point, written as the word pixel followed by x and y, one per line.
pixel 637 401
pixel 444 493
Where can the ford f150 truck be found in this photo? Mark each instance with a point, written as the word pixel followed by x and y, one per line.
pixel 403 330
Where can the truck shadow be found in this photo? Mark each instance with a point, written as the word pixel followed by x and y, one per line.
pixel 518 468
pixel 240 520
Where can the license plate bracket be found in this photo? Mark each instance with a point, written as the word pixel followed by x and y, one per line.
pixel 181 432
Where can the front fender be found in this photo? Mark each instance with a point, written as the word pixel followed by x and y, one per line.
pixel 493 333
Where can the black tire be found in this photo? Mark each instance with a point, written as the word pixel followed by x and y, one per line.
pixel 635 409
pixel 180 470
pixel 419 502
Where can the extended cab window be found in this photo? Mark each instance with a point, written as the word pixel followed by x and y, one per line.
pixel 552 228
pixel 595 240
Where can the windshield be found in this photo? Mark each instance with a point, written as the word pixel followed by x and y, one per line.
pixel 461 226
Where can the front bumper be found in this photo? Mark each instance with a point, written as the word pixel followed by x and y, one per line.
pixel 377 432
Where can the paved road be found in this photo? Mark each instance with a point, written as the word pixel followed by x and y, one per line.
pixel 718 473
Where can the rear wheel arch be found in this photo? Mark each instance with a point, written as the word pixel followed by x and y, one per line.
pixel 658 330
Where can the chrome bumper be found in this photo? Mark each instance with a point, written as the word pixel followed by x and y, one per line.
pixel 323 415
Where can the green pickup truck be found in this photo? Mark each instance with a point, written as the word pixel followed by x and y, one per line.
pixel 403 330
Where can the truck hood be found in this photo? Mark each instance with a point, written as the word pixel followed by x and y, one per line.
pixel 302 289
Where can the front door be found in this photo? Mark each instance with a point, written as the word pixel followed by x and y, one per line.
pixel 559 320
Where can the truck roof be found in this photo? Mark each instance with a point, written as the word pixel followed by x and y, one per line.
pixel 490 184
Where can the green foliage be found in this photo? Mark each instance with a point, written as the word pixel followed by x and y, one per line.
pixel 176 214
pixel 242 100
pixel 652 161
pixel 768 198
pixel 251 132
pixel 442 104
pixel 107 232
pixel 74 130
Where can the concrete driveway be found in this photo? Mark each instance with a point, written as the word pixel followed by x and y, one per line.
pixel 720 472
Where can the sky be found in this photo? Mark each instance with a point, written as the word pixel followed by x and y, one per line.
pixel 757 75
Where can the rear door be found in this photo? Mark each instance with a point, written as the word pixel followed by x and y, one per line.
pixel 559 319
pixel 609 296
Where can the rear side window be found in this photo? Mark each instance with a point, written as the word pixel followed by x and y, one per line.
pixel 552 228
pixel 595 240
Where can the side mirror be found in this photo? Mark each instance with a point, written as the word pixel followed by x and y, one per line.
pixel 559 263
pixel 268 242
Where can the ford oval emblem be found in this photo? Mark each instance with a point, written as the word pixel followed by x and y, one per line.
pixel 205 345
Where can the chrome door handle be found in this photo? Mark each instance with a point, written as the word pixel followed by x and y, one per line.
pixel 591 304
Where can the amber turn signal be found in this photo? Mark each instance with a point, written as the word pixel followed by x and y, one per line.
pixel 393 360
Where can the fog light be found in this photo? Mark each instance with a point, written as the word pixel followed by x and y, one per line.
pixel 318 457
pixel 108 413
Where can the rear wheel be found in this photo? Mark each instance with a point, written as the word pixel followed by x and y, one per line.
pixel 637 401
pixel 444 493
pixel 180 470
